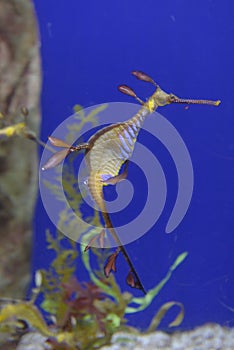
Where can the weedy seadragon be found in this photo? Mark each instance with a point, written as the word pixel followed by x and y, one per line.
pixel 107 151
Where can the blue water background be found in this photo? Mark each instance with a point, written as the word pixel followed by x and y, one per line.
pixel 90 47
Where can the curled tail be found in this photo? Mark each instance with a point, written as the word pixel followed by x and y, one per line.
pixel 96 189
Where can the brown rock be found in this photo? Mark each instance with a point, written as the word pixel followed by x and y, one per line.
pixel 20 81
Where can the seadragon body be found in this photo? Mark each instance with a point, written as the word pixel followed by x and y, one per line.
pixel 107 150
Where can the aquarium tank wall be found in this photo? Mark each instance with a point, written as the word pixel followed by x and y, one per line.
pixel 173 209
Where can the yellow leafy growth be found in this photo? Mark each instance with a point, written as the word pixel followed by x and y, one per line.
pixel 12 130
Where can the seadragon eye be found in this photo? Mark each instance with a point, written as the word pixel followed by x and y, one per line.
pixel 172 98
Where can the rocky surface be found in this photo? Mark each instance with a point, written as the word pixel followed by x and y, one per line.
pixel 20 77
pixel 207 337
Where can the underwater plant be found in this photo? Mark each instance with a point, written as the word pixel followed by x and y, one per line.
pixel 81 315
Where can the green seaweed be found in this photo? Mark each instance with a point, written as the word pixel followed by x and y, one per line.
pixel 98 308
pixel 87 314
pixel 62 268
